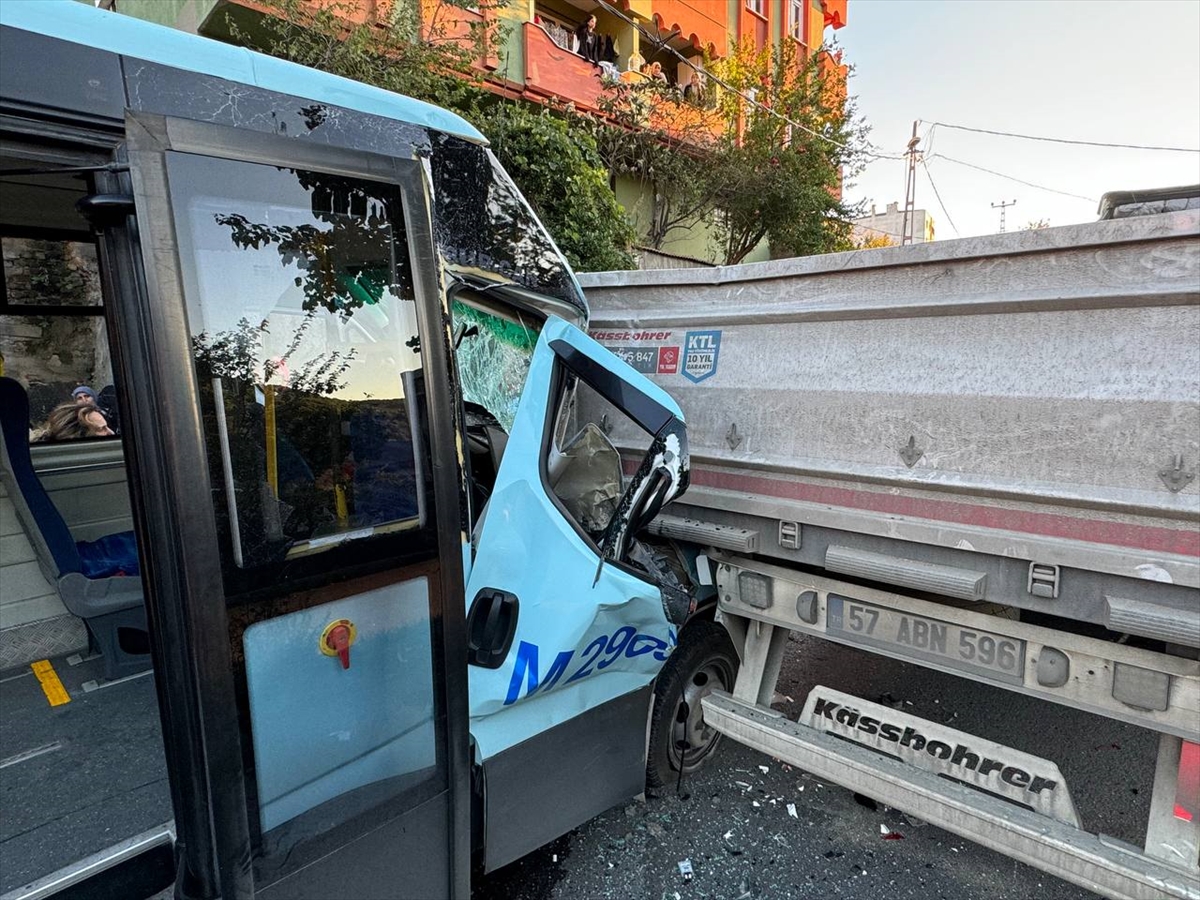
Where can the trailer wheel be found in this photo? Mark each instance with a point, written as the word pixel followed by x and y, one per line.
pixel 705 660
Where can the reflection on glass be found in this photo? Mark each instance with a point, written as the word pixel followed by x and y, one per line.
pixel 483 223
pixel 304 334
pixel 59 354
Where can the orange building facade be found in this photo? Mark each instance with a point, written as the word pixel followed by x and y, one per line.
pixel 533 47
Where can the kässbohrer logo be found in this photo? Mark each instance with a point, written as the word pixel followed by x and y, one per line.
pixel 1013 774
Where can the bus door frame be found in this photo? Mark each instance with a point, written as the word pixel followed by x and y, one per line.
pixel 172 500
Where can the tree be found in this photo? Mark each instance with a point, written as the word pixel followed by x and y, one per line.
pixel 551 158
pixel 1036 225
pixel 778 170
pixel 647 134
pixel 560 172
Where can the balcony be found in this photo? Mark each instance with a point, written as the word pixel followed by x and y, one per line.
pixel 552 72
pixel 696 125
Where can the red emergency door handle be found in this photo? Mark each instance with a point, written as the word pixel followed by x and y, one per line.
pixel 336 640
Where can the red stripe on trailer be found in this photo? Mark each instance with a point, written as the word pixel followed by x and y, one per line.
pixel 1183 541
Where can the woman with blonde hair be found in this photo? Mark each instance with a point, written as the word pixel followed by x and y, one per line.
pixel 71 421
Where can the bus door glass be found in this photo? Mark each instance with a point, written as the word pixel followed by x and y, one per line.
pixel 309 383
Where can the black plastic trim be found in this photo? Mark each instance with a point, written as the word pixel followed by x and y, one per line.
pixel 649 414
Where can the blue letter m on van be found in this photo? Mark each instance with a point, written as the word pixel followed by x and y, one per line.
pixel 525 670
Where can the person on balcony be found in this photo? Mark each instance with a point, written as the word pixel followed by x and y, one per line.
pixel 654 71
pixel 588 42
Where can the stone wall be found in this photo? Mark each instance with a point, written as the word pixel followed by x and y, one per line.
pixel 50 355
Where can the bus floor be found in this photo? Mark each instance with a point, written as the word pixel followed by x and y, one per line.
pixel 78 777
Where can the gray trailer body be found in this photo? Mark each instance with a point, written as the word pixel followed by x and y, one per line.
pixel 965 455
pixel 1013 418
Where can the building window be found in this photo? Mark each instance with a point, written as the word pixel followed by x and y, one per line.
pixel 796 19
pixel 757 7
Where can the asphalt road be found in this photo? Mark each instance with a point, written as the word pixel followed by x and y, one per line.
pixel 734 826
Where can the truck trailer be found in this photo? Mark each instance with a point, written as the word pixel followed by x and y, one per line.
pixel 977 456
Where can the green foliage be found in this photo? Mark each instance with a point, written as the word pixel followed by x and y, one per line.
pixel 740 168
pixel 729 164
pixel 665 145
pixel 559 171
pixel 552 159
pixel 427 63
pixel 782 181
pixel 238 354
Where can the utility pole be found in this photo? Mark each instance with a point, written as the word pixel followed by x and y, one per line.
pixel 910 191
pixel 1002 207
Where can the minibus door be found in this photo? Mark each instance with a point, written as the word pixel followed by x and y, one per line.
pixel 566 632
pixel 298 501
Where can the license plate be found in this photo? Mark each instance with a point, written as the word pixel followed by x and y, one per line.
pixel 972 650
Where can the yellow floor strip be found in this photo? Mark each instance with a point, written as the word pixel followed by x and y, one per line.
pixel 55 693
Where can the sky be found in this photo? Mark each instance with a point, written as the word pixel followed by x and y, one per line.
pixel 1115 71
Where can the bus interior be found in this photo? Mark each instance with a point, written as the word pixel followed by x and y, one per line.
pixel 82 767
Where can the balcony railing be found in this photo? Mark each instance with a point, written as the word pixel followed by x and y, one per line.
pixel 553 71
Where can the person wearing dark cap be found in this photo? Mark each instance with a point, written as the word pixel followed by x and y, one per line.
pixel 84 395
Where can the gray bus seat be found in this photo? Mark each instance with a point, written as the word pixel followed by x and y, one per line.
pixel 112 606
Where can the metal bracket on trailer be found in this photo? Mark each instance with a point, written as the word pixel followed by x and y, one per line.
pixel 1099 864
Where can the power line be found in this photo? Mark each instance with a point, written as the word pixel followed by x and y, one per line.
pixel 1053 140
pixel 1040 187
pixel 945 211
pixel 663 45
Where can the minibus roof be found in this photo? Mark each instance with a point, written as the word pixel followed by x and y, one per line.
pixel 77 23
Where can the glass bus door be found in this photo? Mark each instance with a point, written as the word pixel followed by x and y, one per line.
pixel 297 496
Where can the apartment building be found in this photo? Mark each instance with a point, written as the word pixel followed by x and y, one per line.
pixel 531 50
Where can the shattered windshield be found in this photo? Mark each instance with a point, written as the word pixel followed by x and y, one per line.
pixel 493 358
pixel 482 222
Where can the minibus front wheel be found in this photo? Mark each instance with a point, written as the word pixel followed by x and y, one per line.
pixel 704 661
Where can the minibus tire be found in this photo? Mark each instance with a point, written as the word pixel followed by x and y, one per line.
pixel 704 660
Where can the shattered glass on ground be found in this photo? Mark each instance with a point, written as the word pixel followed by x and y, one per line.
pixel 743 843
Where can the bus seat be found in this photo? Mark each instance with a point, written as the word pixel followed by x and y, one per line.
pixel 111 606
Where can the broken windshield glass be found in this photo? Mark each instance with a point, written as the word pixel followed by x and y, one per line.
pixel 483 223
pixel 493 363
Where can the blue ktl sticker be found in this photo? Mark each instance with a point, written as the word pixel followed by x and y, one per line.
pixel 700 352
